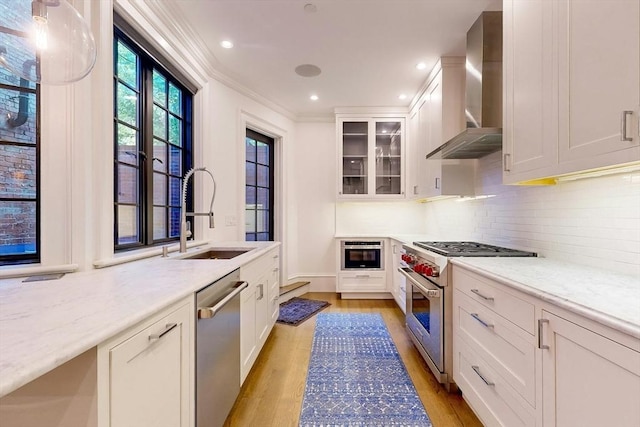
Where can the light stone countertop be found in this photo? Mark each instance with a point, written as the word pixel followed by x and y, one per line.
pixel 45 324
pixel 604 296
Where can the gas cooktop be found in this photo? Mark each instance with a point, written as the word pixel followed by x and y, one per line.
pixel 453 249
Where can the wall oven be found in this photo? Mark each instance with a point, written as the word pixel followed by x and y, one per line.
pixel 361 255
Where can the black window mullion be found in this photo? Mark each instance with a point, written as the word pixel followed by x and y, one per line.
pixel 147 159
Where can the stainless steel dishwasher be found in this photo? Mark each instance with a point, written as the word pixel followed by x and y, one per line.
pixel 218 349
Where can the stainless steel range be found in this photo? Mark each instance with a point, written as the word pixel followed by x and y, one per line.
pixel 429 298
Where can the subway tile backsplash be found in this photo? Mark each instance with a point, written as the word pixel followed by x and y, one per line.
pixel 591 221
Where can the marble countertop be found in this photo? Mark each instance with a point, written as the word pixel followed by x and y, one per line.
pixel 604 296
pixel 45 324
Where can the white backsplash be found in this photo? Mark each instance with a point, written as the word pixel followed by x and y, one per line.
pixel 591 221
pixel 379 218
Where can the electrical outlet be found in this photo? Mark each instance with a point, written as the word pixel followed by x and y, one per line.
pixel 230 220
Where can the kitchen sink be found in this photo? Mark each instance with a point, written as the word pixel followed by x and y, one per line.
pixel 220 253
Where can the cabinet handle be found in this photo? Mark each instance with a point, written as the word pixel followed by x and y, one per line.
pixel 167 329
pixel 505 168
pixel 623 126
pixel 362 276
pixel 394 249
pixel 261 287
pixel 477 292
pixel 275 270
pixel 482 322
pixel 276 256
pixel 541 323
pixel 437 183
pixel 477 371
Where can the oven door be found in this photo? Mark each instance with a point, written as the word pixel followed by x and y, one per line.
pixel 362 258
pixel 425 315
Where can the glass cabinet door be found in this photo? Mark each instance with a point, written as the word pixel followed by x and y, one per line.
pixel 388 157
pixel 355 143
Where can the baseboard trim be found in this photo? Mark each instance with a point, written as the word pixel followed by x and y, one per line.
pixel 318 282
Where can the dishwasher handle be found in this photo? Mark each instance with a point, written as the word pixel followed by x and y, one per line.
pixel 209 312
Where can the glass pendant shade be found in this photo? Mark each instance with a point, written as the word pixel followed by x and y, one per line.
pixel 52 44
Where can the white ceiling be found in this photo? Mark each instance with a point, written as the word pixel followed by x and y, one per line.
pixel 367 49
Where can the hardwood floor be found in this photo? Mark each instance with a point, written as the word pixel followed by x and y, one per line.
pixel 272 393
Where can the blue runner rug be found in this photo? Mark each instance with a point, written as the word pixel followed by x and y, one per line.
pixel 356 377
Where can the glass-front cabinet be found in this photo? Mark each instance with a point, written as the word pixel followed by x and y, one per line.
pixel 371 162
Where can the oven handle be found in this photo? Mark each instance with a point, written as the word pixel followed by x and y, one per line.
pixel 430 293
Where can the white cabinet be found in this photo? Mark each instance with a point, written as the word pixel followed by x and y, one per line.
pixel 530 133
pixel 494 350
pixel 588 378
pixel 572 86
pixel 259 306
pixel 522 361
pixel 370 157
pixel 437 117
pixel 362 281
pixel 398 282
pixel 145 374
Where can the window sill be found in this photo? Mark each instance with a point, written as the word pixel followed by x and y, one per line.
pixel 141 254
pixel 10 271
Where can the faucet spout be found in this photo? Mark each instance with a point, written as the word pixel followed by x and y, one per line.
pixel 184 231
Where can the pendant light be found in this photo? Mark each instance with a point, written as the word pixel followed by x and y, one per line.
pixel 53 46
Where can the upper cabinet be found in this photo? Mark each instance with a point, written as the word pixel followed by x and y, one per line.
pixel 437 117
pixel 572 86
pixel 371 157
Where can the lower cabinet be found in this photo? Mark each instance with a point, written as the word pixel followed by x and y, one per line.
pixel 145 374
pixel 259 307
pixel 398 281
pixel 568 371
pixel 587 378
pixel 362 281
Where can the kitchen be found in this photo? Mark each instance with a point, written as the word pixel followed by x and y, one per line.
pixel 591 221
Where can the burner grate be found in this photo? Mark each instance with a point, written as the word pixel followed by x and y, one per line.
pixel 452 249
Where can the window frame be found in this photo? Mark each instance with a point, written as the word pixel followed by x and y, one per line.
pixel 149 62
pixel 259 137
pixel 36 256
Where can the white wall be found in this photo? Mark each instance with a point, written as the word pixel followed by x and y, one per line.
pixel 314 183
pixel 380 218
pixel 593 221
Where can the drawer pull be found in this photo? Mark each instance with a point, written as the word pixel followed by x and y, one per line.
pixel 487 382
pixel 167 329
pixel 275 270
pixel 482 322
pixel 261 287
pixel 541 323
pixel 477 292
pixel 362 276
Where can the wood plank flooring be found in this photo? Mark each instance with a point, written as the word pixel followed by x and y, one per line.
pixel 272 393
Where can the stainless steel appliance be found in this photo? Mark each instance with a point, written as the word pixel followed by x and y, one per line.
pixel 218 349
pixel 483 108
pixel 429 298
pixel 362 255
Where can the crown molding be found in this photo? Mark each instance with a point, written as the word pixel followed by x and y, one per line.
pixel 175 25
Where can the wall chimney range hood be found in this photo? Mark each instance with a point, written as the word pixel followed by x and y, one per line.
pixel 483 111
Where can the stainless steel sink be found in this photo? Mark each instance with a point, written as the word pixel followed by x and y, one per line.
pixel 220 253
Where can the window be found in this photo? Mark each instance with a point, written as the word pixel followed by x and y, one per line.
pixel 153 146
pixel 19 153
pixel 259 187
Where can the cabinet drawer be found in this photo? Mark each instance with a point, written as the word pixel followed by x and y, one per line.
pixel 492 296
pixel 490 396
pixel 362 282
pixel 509 350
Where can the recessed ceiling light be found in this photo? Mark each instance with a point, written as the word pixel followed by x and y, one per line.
pixel 402 96
pixel 421 65
pixel 227 44
pixel 313 97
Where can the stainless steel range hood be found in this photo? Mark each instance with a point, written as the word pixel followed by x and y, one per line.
pixel 483 111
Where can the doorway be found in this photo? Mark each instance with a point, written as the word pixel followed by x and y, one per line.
pixel 259 187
